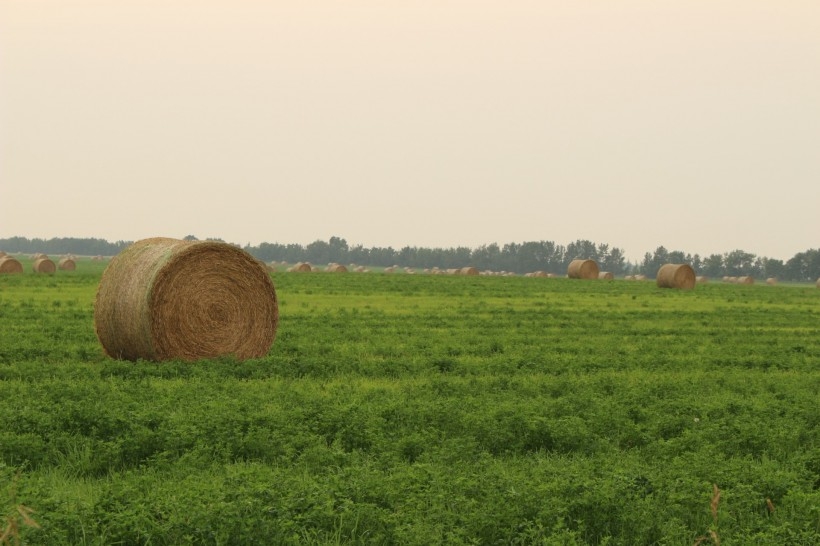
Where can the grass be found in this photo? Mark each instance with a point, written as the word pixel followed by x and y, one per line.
pixel 413 409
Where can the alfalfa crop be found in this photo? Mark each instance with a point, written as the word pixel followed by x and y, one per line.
pixel 162 299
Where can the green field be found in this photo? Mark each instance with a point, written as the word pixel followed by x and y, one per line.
pixel 422 410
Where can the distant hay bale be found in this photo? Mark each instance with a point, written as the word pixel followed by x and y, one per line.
pixel 771 281
pixel 582 269
pixel 337 268
pixel 10 266
pixel 629 277
pixel 3 254
pixel 162 299
pixel 680 276
pixel 701 279
pixel 37 256
pixel 389 269
pixel 745 280
pixel 605 276
pixel 43 265
pixel 301 267
pixel 468 271
pixel 66 264
pixel 817 284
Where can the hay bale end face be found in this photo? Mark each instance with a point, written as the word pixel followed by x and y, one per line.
pixel 582 269
pixel 43 265
pixel 10 266
pixel 605 276
pixel 680 276
pixel 67 264
pixel 162 299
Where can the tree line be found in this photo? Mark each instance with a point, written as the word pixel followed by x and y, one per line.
pixel 518 258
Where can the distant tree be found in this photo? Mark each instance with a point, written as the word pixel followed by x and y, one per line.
pixel 804 266
pixel 737 263
pixel 190 238
pixel 712 266
pixel 773 268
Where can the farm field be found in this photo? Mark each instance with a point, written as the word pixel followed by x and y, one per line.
pixel 423 410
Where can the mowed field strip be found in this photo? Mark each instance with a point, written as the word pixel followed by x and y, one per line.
pixel 420 409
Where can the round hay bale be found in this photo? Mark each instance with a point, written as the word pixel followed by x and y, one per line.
pixel 162 299
pixel 337 268
pixel 701 279
pixel 10 266
pixel 605 276
pixel 67 264
pixel 469 270
pixel 3 254
pixel 43 265
pixel 817 284
pixel 680 276
pixel 37 256
pixel 771 281
pixel 745 280
pixel 582 269
pixel 301 267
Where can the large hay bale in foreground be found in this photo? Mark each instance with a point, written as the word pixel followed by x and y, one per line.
pixel 10 266
pixel 162 299
pixel 43 265
pixel 582 269
pixel 680 276
pixel 67 264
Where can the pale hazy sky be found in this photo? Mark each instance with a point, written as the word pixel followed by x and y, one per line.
pixel 693 124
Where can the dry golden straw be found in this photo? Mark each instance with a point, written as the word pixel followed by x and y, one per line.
pixel 301 267
pixel 162 299
pixel 680 276
pixel 745 280
pixel 337 268
pixel 468 271
pixel 9 265
pixel 67 264
pixel 606 276
pixel 582 269
pixel 43 265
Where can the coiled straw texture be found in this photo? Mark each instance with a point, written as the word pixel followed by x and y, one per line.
pixel 163 299
pixel 680 276
pixel 583 269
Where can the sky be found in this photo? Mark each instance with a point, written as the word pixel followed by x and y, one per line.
pixel 692 124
